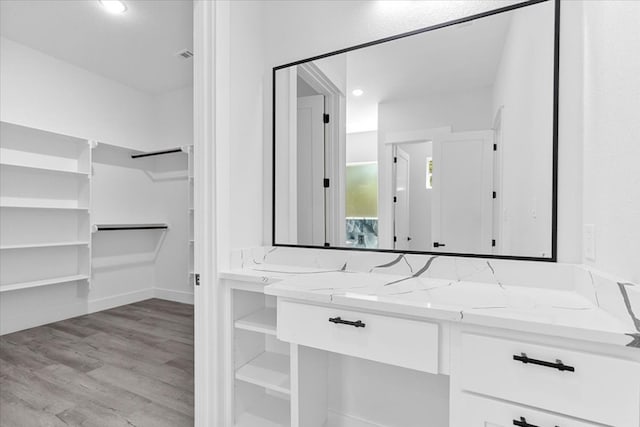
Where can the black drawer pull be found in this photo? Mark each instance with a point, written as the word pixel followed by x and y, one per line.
pixel 523 423
pixel 557 365
pixel 357 323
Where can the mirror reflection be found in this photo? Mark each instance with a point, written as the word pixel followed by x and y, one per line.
pixel 441 141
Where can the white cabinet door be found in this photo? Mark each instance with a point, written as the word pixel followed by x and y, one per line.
pixel 584 385
pixel 477 411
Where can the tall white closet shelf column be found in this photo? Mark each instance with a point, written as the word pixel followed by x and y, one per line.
pixel 45 187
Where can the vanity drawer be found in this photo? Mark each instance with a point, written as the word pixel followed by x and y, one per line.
pixel 588 386
pixel 400 342
pixel 476 411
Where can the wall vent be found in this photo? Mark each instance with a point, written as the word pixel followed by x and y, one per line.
pixel 185 54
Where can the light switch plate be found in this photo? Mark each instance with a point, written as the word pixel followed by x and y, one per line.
pixel 589 241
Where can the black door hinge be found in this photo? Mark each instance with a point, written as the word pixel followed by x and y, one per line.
pixel 395 199
pixel 325 118
pixel 325 182
pixel 495 147
pixel 196 279
pixel 395 160
pixel 495 194
pixel 395 238
pixel 327 244
pixel 493 243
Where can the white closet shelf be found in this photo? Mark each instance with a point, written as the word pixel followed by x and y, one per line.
pixel 45 169
pixel 44 282
pixel 268 370
pixel 42 206
pixel 270 411
pixel 263 321
pixel 44 245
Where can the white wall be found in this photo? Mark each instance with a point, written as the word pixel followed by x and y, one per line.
pixel 43 92
pixel 174 118
pixel 247 74
pixel 612 134
pixel 362 147
pixel 463 111
pixel 524 90
pixel 123 262
pixel 174 112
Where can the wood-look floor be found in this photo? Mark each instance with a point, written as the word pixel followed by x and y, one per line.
pixel 128 366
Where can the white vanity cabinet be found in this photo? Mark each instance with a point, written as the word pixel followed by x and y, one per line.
pixel 289 358
pixel 584 385
pixel 506 378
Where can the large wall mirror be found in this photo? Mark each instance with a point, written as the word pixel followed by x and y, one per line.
pixel 442 140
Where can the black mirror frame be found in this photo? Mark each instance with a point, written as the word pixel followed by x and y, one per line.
pixel 556 76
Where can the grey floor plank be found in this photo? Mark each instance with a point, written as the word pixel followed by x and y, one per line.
pixel 160 416
pixel 16 414
pixel 151 388
pixel 35 392
pixel 128 366
pixel 182 363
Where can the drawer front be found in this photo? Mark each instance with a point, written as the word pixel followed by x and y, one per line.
pixel 401 342
pixel 480 412
pixel 588 386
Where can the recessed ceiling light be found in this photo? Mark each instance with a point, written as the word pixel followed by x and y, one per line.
pixel 113 6
pixel 357 92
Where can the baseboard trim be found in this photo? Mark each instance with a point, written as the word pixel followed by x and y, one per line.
pixel 121 299
pixel 58 313
pixel 41 317
pixel 175 296
pixel 336 419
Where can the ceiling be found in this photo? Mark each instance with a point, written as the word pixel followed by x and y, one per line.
pixel 137 48
pixel 451 59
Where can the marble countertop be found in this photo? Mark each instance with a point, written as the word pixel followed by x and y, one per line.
pixel 596 313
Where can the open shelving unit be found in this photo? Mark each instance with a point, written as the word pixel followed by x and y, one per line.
pixel 262 363
pixel 45 181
